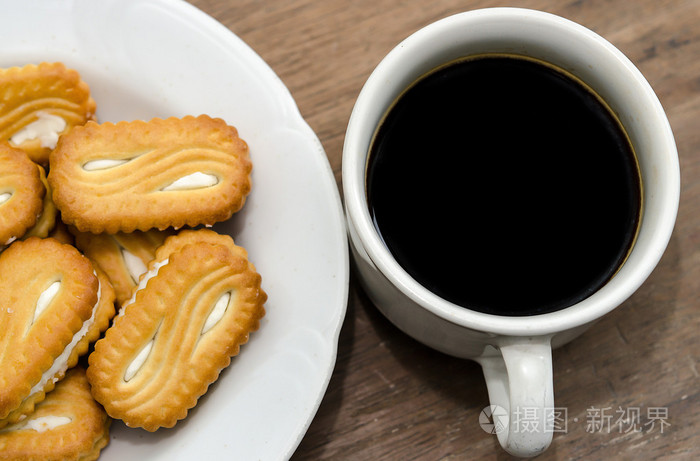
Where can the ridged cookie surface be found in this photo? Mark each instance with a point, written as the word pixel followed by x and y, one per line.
pixel 47 299
pixel 21 193
pixel 157 174
pixel 67 425
pixel 40 102
pixel 181 330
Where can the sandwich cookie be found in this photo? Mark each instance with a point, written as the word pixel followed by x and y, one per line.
pixel 49 300
pixel 123 257
pixel 38 103
pixel 46 220
pixel 189 315
pixel 67 425
pixel 103 314
pixel 21 194
pixel 143 175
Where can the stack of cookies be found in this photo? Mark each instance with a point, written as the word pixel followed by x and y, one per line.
pixel 106 254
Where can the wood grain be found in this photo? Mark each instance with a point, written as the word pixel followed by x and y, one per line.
pixel 392 398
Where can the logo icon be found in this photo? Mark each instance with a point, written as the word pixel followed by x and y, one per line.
pixel 493 419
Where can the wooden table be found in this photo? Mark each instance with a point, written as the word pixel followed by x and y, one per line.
pixel 393 398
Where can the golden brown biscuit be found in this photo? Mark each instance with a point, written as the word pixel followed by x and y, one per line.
pixel 48 299
pixel 46 220
pixel 143 175
pixel 123 256
pixel 21 194
pixel 67 425
pixel 191 313
pixel 40 102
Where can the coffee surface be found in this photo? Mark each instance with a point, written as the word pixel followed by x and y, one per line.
pixel 504 186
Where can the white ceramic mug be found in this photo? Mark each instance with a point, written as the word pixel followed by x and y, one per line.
pixel 515 352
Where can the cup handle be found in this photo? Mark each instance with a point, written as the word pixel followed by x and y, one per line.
pixel 519 381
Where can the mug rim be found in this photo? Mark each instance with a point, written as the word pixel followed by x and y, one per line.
pixel 357 213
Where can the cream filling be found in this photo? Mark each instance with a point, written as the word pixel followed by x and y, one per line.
pixel 5 197
pixel 138 361
pixel 141 357
pixel 60 364
pixel 46 129
pixel 142 284
pixel 45 299
pixel 103 164
pixel 134 265
pixel 217 313
pixel 40 424
pixel 196 180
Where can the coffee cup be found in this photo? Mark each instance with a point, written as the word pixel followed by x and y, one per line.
pixel 515 351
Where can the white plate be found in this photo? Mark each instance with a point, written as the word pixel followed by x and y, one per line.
pixel 157 58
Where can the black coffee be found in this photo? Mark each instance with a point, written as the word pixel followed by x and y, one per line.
pixel 505 186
